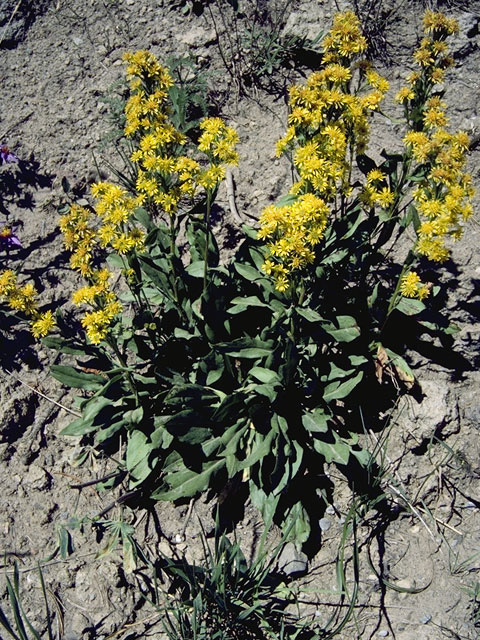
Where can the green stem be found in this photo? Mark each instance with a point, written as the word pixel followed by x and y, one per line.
pixel 172 264
pixel 407 264
pixel 207 239
pixel 123 364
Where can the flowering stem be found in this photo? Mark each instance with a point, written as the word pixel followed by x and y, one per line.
pixel 394 297
pixel 172 264
pixel 207 238
pixel 123 364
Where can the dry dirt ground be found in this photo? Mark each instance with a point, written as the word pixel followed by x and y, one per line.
pixel 59 58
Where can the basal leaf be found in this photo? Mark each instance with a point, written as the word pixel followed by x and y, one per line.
pixel 296 524
pixel 337 451
pixel 250 352
pixel 187 482
pixel 260 447
pixel 87 423
pixel 72 377
pixel 64 345
pixel 315 422
pixel 138 448
pixel 337 390
pixel 264 375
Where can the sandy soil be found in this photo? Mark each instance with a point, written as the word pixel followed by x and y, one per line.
pixel 59 59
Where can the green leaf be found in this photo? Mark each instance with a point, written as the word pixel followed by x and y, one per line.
pixel 138 448
pixel 266 504
pixel 246 271
pixel 296 524
pixel 261 446
pixel 87 423
pixel 63 345
pixel 373 297
pixel 72 377
pixel 187 483
pixel 337 390
pixel 156 270
pixel 338 451
pixel 240 304
pixel 116 261
pixel 264 375
pixel 286 201
pixel 214 375
pixel 347 330
pixel 134 416
pixel 141 471
pixel 410 306
pixel 144 218
pixel 105 434
pixel 196 269
pixel 309 314
pixel 315 422
pixel 250 353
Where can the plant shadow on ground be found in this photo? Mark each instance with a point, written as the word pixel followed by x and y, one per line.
pixel 17 181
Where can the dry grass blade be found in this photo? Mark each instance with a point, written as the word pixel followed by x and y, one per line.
pixel 29 386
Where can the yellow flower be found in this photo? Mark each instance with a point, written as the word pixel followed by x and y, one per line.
pixel 405 93
pixel 8 281
pixel 435 22
pixel 375 175
pixel 409 284
pixel 43 324
pixel 281 283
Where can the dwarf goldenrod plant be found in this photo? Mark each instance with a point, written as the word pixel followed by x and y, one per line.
pixel 205 373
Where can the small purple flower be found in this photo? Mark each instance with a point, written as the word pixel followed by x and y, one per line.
pixel 8 238
pixel 6 156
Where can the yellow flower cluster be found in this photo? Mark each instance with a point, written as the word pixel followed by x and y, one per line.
pixel 443 198
pixel 412 287
pixel 106 305
pixel 150 82
pixel 164 176
pixel 115 207
pixel 24 299
pixel 327 123
pixel 218 141
pixel 376 190
pixel 97 323
pixel 292 231
pixel 79 237
pixel 345 39
pixel 432 57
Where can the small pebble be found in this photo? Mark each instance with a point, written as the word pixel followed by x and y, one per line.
pixel 324 524
pixel 425 619
pixel 178 538
pixel 383 633
pixel 330 510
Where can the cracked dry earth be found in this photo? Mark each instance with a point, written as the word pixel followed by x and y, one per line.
pixel 417 562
